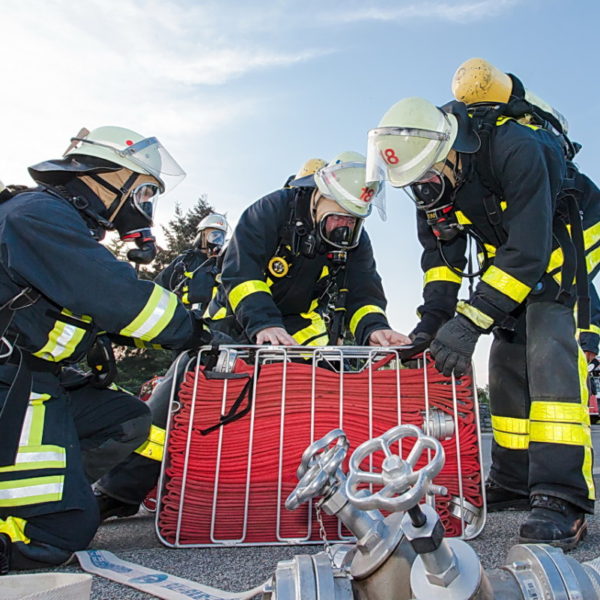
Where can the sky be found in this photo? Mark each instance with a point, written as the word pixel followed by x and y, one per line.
pixel 243 92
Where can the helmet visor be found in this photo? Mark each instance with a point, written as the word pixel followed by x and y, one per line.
pixel 150 155
pixel 345 183
pixel 216 237
pixel 144 198
pixel 403 155
pixel 340 230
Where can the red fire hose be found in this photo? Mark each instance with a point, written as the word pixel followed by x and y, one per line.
pixel 243 482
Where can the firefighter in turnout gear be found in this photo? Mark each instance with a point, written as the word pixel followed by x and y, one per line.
pixel 298 257
pixel 60 288
pixel 542 450
pixel 193 275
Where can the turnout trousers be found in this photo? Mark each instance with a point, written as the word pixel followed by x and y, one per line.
pixel 538 400
pixel 131 480
pixel 69 438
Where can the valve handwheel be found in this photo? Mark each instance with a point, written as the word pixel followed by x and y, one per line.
pixel 318 467
pixel 403 487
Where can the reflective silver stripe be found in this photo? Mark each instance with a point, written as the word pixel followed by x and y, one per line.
pixel 27 491
pixel 26 430
pixel 26 457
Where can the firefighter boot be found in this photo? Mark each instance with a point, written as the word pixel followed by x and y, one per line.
pixel 553 521
pixel 5 544
pixel 111 507
pixel 499 498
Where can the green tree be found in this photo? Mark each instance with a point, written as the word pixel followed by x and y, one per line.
pixel 137 365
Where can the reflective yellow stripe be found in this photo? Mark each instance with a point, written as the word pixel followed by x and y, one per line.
pixel 324 272
pixel 521 121
pixel 505 283
pixel 510 424
pixel 491 250
pixel 591 235
pixel 35 490
pixel 591 329
pixel 586 469
pixel 592 259
pixel 363 312
pixel 440 274
pixel 557 412
pixel 316 328
pixel 63 338
pixel 560 433
pixel 503 205
pixel 462 218
pixel 556 260
pixel 14 527
pixel 242 290
pixel 188 274
pixel 141 344
pixel 154 446
pixel 474 314
pixel 154 317
pixel 220 314
pixel 512 441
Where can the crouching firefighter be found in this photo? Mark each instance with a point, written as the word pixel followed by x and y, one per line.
pixel 59 288
pixel 300 256
pixel 194 274
pixel 542 450
pixel 279 281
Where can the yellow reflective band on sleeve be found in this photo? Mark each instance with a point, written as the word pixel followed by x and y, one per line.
pixel 592 259
pixel 314 334
pixel 14 528
pixel 506 284
pixel 363 312
pixel 35 490
pixel 557 412
pixel 510 432
pixel 560 433
pixel 591 236
pixel 63 338
pixel 220 314
pixel 141 344
pixel 154 317
pixel 510 424
pixel 243 290
pixel 440 274
pixel 556 260
pixel 462 218
pixel 474 315
pixel 154 446
pixel 591 329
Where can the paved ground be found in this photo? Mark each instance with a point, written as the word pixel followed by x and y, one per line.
pixel 237 569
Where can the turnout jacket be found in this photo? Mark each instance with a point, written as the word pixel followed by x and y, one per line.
pixel 192 276
pixel 530 168
pixel 252 299
pixel 46 245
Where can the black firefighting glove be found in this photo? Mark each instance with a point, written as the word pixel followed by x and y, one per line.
pixel 454 345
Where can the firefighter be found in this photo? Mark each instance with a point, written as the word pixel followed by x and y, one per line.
pixel 542 451
pixel 300 259
pixel 193 275
pixel 59 287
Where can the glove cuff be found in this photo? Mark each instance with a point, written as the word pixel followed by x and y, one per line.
pixel 485 315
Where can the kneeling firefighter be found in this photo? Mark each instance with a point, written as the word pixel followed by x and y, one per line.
pixel 60 288
pixel 279 280
pixel 300 266
pixel 193 274
pixel 487 177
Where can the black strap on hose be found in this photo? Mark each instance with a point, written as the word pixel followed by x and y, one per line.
pixel 235 412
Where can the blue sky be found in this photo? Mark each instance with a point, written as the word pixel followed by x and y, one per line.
pixel 242 92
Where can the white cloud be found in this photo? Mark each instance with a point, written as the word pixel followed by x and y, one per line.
pixel 460 12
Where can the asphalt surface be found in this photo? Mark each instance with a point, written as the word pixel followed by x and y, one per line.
pixel 235 569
